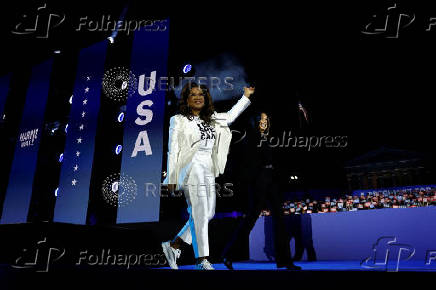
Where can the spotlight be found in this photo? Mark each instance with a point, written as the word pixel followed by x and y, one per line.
pixel 111 39
pixel 295 177
pixel 66 128
pixel 187 68
pixel 56 191
pixel 52 127
pixel 57 51
pixel 115 186
pixel 292 177
pixel 120 117
pixel 71 100
pixel 118 149
pixel 61 157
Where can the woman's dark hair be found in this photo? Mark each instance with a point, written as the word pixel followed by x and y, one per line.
pixel 207 110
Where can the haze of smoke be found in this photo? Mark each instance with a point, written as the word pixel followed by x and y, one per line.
pixel 225 68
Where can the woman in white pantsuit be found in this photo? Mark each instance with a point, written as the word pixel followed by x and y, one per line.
pixel 199 140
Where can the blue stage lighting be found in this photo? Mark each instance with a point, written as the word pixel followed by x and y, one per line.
pixel 187 68
pixel 121 117
pixel 118 149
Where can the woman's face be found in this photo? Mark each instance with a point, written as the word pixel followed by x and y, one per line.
pixel 196 99
pixel 263 123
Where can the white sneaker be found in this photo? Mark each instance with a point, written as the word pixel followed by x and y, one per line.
pixel 204 265
pixel 171 254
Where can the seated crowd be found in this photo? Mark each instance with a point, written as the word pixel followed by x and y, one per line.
pixel 371 200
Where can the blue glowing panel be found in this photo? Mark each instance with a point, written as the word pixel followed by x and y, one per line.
pixel 19 191
pixel 141 165
pixel 73 194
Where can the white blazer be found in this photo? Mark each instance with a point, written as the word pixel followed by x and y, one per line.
pixel 183 143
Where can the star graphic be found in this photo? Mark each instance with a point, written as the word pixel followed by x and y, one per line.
pixel 77 153
pixel 81 127
pixel 73 182
pixel 86 89
pixel 83 114
pixel 85 101
pixel 79 140
pixel 76 167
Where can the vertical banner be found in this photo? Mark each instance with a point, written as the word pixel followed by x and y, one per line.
pixel 4 90
pixel 19 191
pixel 141 163
pixel 75 177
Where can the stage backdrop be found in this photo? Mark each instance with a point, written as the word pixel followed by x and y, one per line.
pixel 359 235
pixel 73 192
pixel 19 191
pixel 141 164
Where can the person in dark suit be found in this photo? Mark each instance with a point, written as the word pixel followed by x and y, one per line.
pixel 261 178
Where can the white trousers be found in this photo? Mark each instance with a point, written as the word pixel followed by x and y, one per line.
pixel 199 189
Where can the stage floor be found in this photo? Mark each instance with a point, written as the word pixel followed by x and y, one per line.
pixel 415 266
pixel 249 274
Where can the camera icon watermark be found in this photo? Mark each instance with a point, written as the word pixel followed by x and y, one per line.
pixel 393 20
pixel 39 258
pixel 389 255
pixel 39 23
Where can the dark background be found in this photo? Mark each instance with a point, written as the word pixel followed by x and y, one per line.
pixel 375 90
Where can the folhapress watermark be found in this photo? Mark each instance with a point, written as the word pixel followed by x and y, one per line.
pixel 109 257
pixel 42 20
pixel 42 256
pixel 106 23
pixel 287 140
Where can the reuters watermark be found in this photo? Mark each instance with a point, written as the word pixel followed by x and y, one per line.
pixel 177 83
pixel 119 83
pixel 220 190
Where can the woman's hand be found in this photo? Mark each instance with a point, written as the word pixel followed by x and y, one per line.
pixel 248 91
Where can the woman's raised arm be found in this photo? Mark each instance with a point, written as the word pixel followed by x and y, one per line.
pixel 240 106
